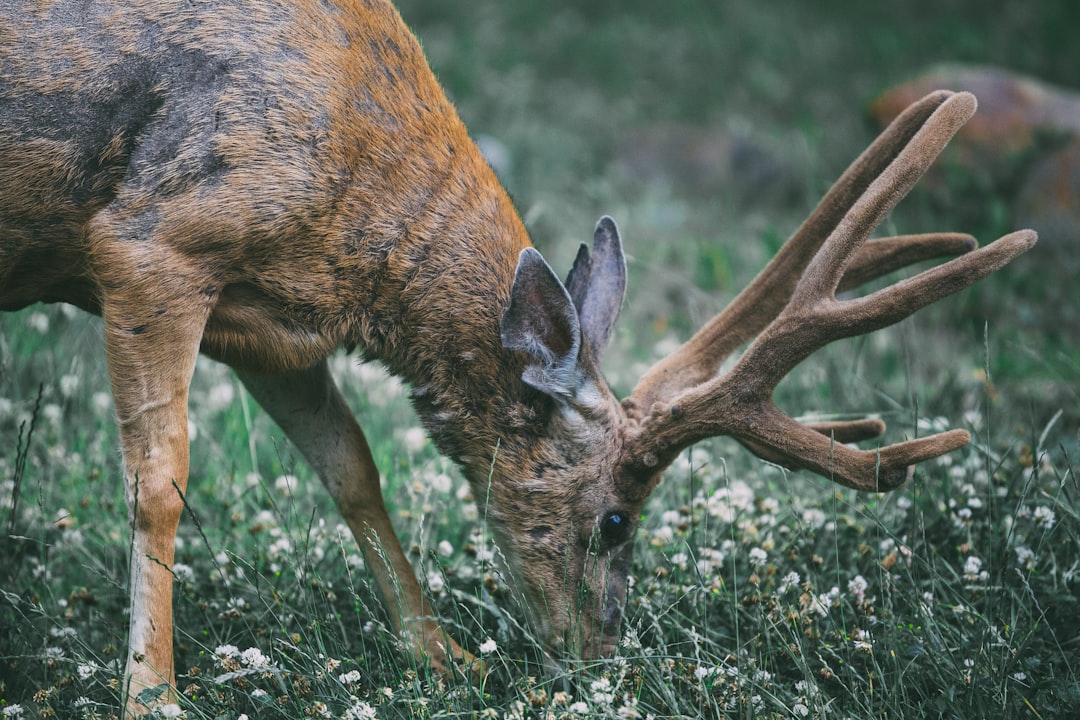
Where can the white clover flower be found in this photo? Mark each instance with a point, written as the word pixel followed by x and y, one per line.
pixel 254 658
pixel 52 412
pixel 728 502
pixel 863 641
pixel 758 556
pixel 1044 516
pixel 286 484
pixel 444 549
pixel 13 711
pixel 1025 557
pixel 435 582
pixel 86 671
pixel 69 384
pixel 671 517
pixel 663 535
pixel 789 581
pixel 628 710
pixel 227 651
pixel 814 517
pixel 441 483
pixel 857 586
pixel 800 710
pixel 579 708
pixel 488 646
pixel 172 710
pixel 183 572
pixel 360 710
pixel 414 439
pixel 220 396
pixel 972 567
pixel 350 677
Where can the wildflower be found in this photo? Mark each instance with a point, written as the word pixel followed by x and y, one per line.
pixel 579 708
pixel 360 710
pixel 441 483
pixel 414 439
pixel 183 572
pixel 703 672
pixel 435 582
pixel 1025 557
pixel 1044 516
pixel 13 711
pixel 350 677
pixel 862 641
pixel 52 412
pixel 445 549
pixel 69 384
pixel 488 646
pixel 86 671
pixel 758 556
pixel 800 710
pixel 254 658
pixel 601 690
pixel 172 710
pixel 102 401
pixel 285 484
pixel 220 396
pixel 628 710
pixel 814 517
pixel 857 587
pixel 789 581
pixel 226 652
pixel 726 503
pixel 973 569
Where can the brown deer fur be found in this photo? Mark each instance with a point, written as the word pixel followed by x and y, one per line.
pixel 266 182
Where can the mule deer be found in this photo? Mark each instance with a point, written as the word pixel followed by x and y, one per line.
pixel 267 181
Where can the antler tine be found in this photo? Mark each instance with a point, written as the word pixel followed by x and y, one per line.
pixel 700 357
pixel 739 403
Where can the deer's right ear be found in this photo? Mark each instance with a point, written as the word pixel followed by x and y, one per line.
pixel 597 284
pixel 543 322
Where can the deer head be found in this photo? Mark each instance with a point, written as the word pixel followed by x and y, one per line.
pixel 568 521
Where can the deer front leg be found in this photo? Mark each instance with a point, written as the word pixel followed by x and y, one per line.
pixel 308 406
pixel 152 354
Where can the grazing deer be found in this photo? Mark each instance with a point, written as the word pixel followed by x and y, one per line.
pixel 268 181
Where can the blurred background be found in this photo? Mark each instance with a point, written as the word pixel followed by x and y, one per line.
pixel 710 129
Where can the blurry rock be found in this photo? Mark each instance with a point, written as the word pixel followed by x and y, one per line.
pixel 1025 138
pixel 705 160
pixel 1013 109
pixel 1049 200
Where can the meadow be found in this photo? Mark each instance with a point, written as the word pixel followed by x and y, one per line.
pixel 708 131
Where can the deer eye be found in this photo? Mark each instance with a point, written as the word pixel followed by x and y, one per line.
pixel 615 528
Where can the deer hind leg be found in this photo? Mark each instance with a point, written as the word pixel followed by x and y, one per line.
pixel 154 312
pixel 308 406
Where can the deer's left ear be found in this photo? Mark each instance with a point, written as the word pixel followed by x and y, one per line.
pixel 543 322
pixel 597 283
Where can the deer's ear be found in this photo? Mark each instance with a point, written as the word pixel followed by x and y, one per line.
pixel 597 283
pixel 543 322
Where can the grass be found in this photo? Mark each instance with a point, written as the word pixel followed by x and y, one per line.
pixel 756 593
